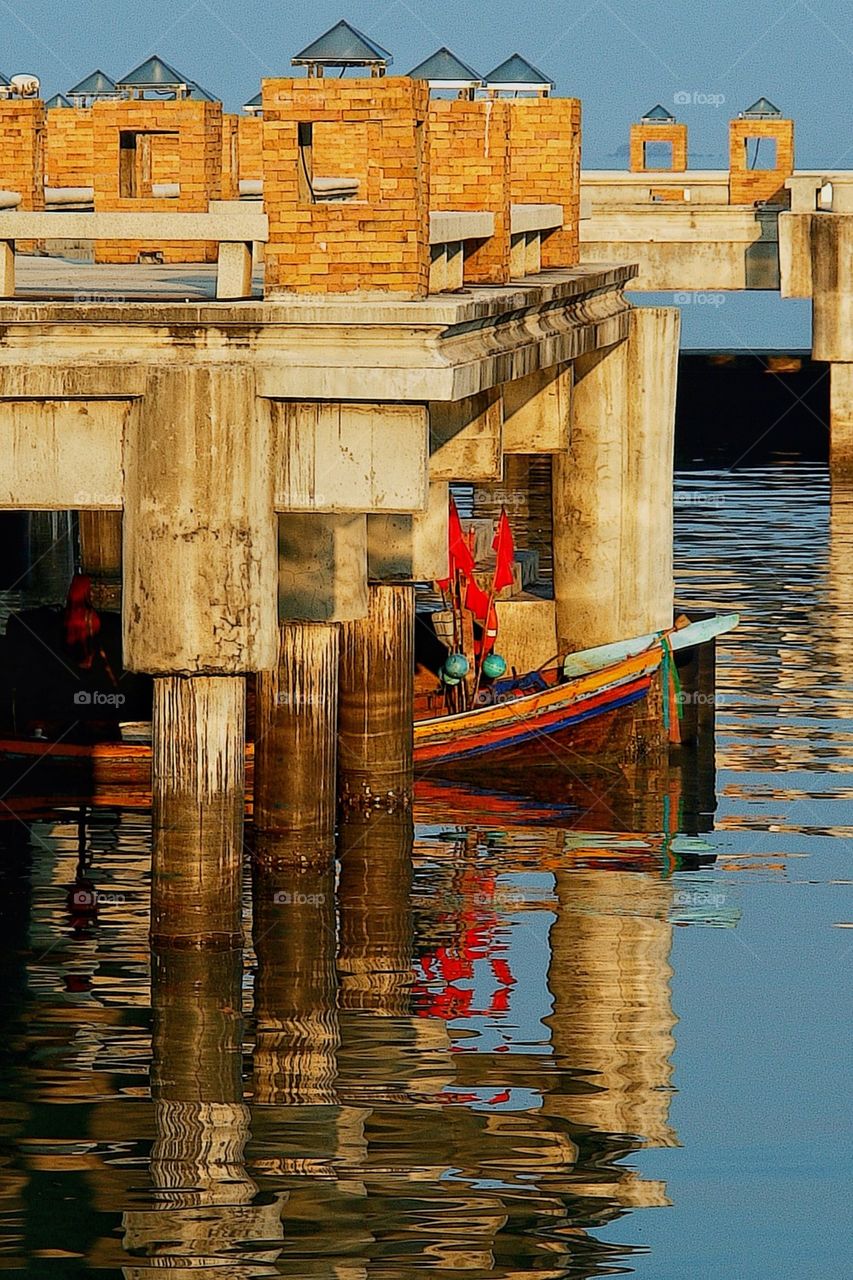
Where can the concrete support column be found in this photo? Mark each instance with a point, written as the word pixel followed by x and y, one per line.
pixel 296 745
pixel 375 722
pixel 198 794
pixel 612 490
pixel 100 555
pixel 832 320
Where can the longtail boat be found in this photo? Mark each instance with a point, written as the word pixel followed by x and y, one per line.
pixel 538 713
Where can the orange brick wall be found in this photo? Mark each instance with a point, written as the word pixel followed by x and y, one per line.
pixel 746 186
pixel 69 148
pixel 230 157
pixel 251 138
pixel 470 169
pixel 22 142
pixel 340 149
pixel 643 133
pixel 545 168
pixel 198 163
pixel 378 242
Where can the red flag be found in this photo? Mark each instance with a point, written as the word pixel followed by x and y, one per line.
pixel 459 553
pixel 482 606
pixel 504 550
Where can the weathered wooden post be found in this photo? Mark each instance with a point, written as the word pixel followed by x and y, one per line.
pixel 376 716
pixel 99 533
pixel 199 611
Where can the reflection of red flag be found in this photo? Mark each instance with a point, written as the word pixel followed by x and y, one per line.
pixel 459 553
pixel 504 550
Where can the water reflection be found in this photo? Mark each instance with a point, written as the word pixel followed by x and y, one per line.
pixel 456 1052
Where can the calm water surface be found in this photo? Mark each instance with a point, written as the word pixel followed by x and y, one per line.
pixel 519 1049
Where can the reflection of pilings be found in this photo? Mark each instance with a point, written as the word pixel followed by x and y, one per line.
pixel 100 555
pixel 50 555
pixel 296 1037
pixel 613 1018
pixel 198 771
pixel 205 1209
pixel 296 742
pixel 376 702
pixel 840 613
pixel 376 924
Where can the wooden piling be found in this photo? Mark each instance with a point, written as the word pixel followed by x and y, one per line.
pixel 99 534
pixel 376 714
pixel 296 746
pixel 198 785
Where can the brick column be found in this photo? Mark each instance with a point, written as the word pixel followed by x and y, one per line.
pixel 671 132
pixel 69 148
pixel 747 185
pixel 378 241
pixel 545 149
pixel 469 169
pixel 22 130
pixel 178 142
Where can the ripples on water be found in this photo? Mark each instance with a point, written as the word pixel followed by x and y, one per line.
pixel 471 1066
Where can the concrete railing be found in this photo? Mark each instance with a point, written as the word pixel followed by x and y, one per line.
pixel 235 230
pixel 529 224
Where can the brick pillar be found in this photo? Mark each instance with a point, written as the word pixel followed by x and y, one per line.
pixel 674 133
pixel 22 130
pixel 545 161
pixel 178 142
pixel 469 169
pixel 250 132
pixel 69 148
pixel 749 185
pixel 377 241
pixel 230 157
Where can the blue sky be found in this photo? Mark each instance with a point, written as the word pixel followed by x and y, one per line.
pixel 619 56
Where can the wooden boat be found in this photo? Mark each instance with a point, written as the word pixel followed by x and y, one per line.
pixel 519 719
pixel 537 710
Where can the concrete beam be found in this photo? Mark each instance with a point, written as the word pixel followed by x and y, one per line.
pixel 350 457
pixel 535 217
pixel 447 226
pixel 537 411
pixel 322 568
pixel 465 438
pixel 62 455
pixel 403 548
pixel 243 227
